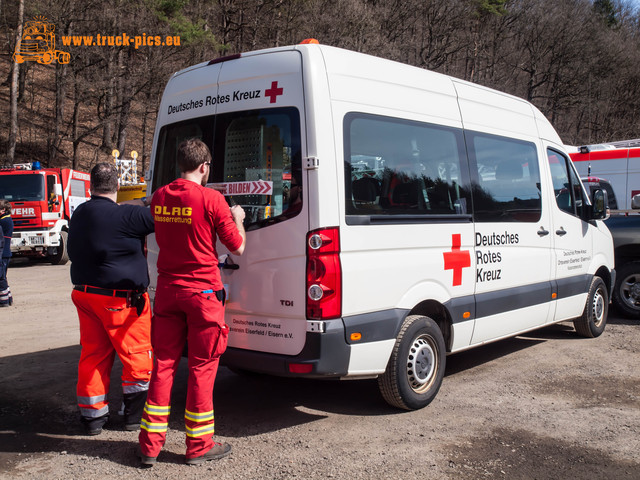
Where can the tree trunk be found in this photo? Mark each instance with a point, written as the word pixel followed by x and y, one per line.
pixel 13 108
pixel 61 70
pixel 74 123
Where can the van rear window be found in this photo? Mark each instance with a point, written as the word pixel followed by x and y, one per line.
pixel 256 160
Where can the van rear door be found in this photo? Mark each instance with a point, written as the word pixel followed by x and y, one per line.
pixel 258 145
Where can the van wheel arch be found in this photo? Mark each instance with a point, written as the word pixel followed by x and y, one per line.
pixel 439 314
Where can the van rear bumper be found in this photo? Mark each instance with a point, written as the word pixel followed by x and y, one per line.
pixel 327 353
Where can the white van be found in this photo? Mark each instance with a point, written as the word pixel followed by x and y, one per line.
pixel 394 215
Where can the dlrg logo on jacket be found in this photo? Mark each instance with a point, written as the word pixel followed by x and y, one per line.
pixel 175 215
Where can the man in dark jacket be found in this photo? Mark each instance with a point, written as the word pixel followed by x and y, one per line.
pixel 110 278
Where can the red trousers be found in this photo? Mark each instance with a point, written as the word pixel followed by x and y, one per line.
pixel 181 314
pixel 108 327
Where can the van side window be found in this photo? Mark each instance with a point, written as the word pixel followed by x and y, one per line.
pixel 400 167
pixel 506 179
pixel 567 187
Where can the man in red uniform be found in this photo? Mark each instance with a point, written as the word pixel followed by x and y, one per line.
pixel 110 277
pixel 189 303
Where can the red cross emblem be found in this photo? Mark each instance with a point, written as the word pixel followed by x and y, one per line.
pixel 273 92
pixel 456 259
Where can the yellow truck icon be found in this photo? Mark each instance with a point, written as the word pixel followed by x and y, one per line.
pixel 39 43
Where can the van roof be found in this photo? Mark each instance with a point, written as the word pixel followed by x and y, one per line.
pixel 342 62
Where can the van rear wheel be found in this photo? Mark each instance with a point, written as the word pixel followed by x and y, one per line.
pixel 416 366
pixel 594 317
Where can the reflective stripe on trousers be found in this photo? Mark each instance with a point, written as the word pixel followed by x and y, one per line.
pixel 180 315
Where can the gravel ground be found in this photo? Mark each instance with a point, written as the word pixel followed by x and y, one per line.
pixel 547 405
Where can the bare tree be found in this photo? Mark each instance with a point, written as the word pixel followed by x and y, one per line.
pixel 13 133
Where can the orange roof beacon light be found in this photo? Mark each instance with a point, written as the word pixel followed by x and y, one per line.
pixel 309 40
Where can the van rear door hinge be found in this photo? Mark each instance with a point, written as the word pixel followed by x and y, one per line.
pixel 311 163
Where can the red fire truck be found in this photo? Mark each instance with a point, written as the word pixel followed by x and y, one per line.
pixel 42 201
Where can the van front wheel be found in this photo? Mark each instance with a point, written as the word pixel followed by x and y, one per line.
pixel 416 366
pixel 594 317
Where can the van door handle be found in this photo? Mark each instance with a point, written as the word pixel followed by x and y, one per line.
pixel 225 262
pixel 542 232
pixel 561 231
pixel 229 266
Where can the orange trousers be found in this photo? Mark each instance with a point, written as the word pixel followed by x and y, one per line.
pixel 107 327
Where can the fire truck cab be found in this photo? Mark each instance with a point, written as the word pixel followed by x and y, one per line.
pixel 42 202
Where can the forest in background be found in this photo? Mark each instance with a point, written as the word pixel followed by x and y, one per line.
pixel 578 61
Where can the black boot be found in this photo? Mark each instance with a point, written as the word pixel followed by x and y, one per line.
pixel 133 407
pixel 93 426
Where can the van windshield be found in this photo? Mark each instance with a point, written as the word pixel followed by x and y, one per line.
pixel 22 187
pixel 256 160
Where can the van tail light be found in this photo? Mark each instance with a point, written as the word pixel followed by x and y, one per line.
pixel 324 274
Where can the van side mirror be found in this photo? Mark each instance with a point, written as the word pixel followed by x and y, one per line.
pixel 635 202
pixel 599 205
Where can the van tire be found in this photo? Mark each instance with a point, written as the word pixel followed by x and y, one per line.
pixel 594 317
pixel 626 292
pixel 420 339
pixel 62 256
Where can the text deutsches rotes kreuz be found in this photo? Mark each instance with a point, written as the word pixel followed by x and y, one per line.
pixel 211 100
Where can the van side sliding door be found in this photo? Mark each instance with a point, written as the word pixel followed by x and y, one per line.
pixel 512 236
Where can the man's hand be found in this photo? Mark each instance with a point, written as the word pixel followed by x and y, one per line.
pixel 238 214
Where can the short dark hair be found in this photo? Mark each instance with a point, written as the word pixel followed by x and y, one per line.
pixel 5 205
pixel 104 178
pixel 191 154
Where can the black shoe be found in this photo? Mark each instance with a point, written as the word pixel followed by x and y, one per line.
pixel 132 427
pixel 218 451
pixel 93 426
pixel 144 460
pixel 93 431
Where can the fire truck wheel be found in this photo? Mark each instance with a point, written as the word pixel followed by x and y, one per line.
pixel 594 318
pixel 62 256
pixel 626 292
pixel 416 366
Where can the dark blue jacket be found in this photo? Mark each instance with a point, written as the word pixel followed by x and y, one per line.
pixel 6 223
pixel 106 244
